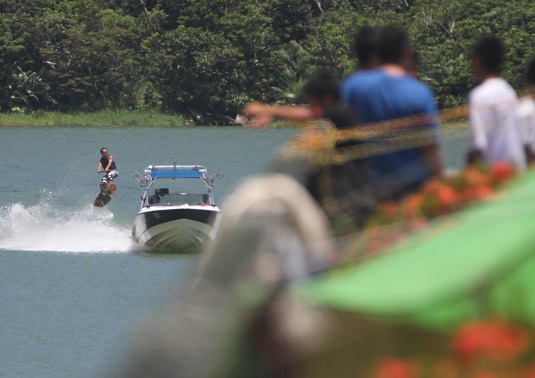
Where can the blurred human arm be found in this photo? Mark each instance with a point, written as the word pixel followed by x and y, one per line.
pixel 261 115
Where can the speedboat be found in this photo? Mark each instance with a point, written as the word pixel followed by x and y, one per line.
pixel 178 212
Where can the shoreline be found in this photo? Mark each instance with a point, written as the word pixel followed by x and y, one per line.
pixel 103 118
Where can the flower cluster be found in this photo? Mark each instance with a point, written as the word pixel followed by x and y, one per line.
pixel 488 348
pixel 394 221
pixel 444 195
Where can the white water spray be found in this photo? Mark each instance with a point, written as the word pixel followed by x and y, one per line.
pixel 44 227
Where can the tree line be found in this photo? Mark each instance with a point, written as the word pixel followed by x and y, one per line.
pixel 205 59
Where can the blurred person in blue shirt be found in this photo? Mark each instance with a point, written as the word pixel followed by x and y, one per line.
pixel 391 92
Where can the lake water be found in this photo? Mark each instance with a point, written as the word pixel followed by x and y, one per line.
pixel 73 283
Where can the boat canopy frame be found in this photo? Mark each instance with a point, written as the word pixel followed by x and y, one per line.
pixel 154 172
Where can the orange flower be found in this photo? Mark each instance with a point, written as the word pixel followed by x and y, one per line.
pixel 389 209
pixel 501 171
pixel 412 205
pixel 431 187
pixel 447 198
pixel 475 193
pixel 474 177
pixel 395 368
pixel 492 339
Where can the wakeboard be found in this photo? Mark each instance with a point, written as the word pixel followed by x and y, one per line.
pixel 106 193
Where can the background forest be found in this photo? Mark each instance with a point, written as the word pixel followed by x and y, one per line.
pixel 203 59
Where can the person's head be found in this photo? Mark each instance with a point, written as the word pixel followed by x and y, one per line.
pixel 487 56
pixel 322 89
pixel 104 151
pixel 394 46
pixel 367 47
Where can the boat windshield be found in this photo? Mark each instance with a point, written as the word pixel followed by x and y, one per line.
pixel 166 198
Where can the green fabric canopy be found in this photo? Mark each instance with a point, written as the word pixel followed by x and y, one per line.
pixel 476 263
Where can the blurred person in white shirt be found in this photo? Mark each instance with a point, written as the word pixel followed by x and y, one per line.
pixel 495 130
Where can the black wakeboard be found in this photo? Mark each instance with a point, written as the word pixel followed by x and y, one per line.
pixel 106 193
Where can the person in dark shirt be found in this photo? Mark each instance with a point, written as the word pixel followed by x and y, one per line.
pixel 349 179
pixel 106 164
pixel 322 92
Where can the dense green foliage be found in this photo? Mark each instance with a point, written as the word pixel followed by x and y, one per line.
pixel 205 59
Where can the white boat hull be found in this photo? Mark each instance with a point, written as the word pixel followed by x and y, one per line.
pixel 181 229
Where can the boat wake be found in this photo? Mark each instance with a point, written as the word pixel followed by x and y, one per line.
pixel 43 227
